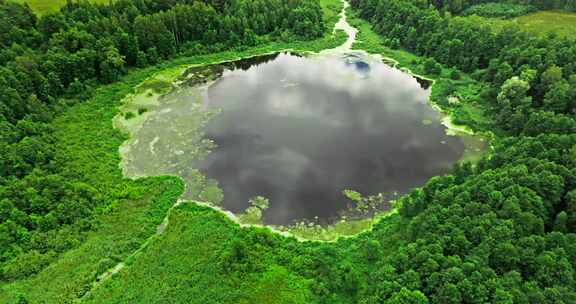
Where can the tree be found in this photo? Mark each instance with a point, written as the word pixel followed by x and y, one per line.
pixel 152 33
pixel 553 270
pixel 503 297
pixel 514 101
pixel 432 67
pixel 141 59
pixel 505 257
pixel 455 75
pixel 405 296
pixel 514 93
pixel 551 76
pixel 561 222
pixel 571 210
pixel 112 65
pixel 447 294
pixel 52 23
pixel 559 98
pixel 277 285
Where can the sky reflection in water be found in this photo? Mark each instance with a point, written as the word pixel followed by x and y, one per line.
pixel 301 130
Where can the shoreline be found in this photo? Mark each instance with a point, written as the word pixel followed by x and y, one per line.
pixel 322 233
pixel 129 101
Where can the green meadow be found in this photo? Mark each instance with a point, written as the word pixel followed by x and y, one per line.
pixel 50 6
pixel 562 23
pixel 542 23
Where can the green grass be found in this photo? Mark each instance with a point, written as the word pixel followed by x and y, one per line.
pixel 540 23
pixel 187 273
pixel 194 269
pixel 51 6
pixel 119 234
pixel 499 10
pixel 562 23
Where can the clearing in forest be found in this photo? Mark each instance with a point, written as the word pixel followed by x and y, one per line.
pixel 543 22
pixel 50 6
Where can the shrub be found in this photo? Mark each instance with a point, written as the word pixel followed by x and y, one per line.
pixel 129 115
pixel 432 67
pixel 455 75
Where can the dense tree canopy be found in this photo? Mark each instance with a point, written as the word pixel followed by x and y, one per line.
pixel 52 61
pixel 501 231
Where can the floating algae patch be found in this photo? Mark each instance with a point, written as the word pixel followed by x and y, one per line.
pixel 165 118
pixel 166 136
pixel 156 86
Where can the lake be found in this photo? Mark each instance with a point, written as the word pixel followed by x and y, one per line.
pixel 299 131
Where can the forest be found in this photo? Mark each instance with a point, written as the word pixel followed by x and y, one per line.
pixel 52 62
pixel 502 230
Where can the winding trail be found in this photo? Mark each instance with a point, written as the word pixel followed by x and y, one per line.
pixel 116 269
pixel 343 25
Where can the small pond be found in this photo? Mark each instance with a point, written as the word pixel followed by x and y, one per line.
pixel 298 131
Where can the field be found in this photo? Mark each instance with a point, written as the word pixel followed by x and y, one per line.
pixel 543 22
pixel 50 6
pixel 562 23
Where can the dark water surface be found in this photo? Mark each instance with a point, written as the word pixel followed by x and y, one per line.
pixel 301 130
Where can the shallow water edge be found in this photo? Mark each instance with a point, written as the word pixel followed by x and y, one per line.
pixel 147 97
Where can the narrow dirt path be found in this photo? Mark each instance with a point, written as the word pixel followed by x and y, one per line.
pixel 343 25
pixel 116 269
